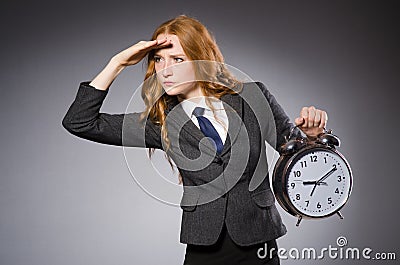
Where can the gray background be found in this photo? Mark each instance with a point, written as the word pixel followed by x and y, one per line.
pixel 64 200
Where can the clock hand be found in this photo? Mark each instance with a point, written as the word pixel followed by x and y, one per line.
pixel 313 183
pixel 327 175
pixel 309 182
pixel 316 183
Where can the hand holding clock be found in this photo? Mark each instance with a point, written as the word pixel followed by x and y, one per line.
pixel 312 121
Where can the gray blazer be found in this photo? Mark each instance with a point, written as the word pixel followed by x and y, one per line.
pixel 232 187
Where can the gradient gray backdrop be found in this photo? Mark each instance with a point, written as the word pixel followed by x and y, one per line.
pixel 64 200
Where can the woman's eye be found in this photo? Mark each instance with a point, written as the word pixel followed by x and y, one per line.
pixel 158 59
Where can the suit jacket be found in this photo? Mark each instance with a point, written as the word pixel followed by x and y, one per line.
pixel 231 187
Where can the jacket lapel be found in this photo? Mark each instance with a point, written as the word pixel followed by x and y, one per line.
pixel 234 112
pixel 180 117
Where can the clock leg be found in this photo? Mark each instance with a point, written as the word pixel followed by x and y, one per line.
pixel 299 220
pixel 340 215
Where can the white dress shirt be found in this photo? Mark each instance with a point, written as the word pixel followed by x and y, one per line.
pixel 188 106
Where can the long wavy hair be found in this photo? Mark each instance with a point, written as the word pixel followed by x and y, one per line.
pixel 213 77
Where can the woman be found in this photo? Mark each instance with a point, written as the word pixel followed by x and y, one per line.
pixel 229 212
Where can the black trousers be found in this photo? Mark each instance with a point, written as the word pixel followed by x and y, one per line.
pixel 225 252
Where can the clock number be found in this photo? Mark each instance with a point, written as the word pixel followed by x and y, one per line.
pixel 307 203
pixel 334 166
pixel 329 200
pixel 339 178
pixel 325 160
pixel 318 205
pixel 313 158
pixel 297 173
pixel 337 190
pixel 298 196
pixel 292 185
pixel 303 163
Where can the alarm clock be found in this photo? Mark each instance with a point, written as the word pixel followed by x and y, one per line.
pixel 312 179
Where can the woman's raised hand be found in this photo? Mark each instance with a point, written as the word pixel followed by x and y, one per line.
pixel 138 51
pixel 127 57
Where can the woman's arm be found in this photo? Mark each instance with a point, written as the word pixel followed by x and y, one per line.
pixel 105 78
pixel 127 57
pixel 84 119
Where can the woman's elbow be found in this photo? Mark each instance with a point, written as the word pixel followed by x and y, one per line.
pixel 73 126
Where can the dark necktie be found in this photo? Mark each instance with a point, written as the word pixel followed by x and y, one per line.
pixel 208 129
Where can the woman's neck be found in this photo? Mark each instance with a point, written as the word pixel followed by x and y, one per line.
pixel 195 92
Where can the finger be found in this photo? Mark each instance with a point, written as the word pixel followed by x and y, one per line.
pixel 324 120
pixel 317 119
pixel 144 45
pixel 311 116
pixel 304 115
pixel 299 121
pixel 149 44
pixel 161 44
pixel 161 41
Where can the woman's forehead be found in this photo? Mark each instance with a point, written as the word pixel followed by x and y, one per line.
pixel 171 37
pixel 175 48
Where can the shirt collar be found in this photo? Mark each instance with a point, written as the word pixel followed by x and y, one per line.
pixel 188 105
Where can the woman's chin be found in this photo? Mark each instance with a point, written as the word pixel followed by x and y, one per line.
pixel 171 91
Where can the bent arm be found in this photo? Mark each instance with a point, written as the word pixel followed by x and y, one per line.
pixel 85 120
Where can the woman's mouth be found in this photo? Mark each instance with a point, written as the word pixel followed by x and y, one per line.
pixel 168 83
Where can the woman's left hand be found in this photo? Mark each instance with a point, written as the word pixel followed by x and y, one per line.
pixel 312 121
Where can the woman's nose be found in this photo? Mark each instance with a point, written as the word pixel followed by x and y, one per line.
pixel 167 70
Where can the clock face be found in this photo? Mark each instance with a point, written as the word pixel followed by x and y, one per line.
pixel 319 182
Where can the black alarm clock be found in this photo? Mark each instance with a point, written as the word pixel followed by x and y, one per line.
pixel 312 179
